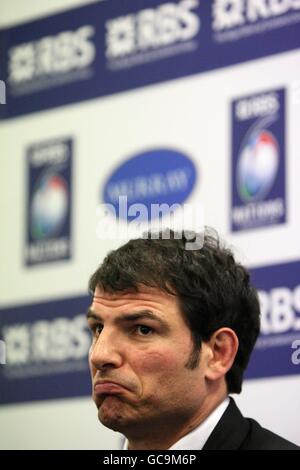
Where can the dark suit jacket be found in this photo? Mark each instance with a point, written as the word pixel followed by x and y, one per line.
pixel 234 432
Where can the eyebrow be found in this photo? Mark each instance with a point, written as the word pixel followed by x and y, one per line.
pixel 131 317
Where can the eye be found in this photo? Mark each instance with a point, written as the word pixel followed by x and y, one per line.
pixel 96 329
pixel 144 330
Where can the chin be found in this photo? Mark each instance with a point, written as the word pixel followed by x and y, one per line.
pixel 110 413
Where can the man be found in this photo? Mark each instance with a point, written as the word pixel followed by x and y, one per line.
pixel 173 330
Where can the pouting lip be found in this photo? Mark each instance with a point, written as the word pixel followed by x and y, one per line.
pixel 108 382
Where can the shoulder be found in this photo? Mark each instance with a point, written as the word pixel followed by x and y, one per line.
pixel 260 438
pixel 235 432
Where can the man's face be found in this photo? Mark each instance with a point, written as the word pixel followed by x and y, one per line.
pixel 141 346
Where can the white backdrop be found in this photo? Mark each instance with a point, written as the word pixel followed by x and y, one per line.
pixel 185 113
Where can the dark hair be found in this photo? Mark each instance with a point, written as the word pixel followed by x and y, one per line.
pixel 213 290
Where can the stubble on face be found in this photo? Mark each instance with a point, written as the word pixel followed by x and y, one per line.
pixel 159 372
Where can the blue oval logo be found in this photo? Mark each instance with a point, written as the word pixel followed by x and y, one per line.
pixel 160 177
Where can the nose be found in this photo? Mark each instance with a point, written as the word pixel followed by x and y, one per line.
pixel 105 352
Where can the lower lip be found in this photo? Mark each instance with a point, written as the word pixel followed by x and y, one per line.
pixel 108 388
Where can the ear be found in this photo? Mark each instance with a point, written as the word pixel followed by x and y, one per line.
pixel 222 346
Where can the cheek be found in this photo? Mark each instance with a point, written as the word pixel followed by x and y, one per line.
pixel 156 362
pixel 159 373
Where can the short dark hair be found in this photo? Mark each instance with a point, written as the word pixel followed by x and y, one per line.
pixel 213 290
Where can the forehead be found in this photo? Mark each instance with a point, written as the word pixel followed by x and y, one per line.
pixel 146 297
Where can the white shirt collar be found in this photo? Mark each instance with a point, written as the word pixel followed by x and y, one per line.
pixel 196 439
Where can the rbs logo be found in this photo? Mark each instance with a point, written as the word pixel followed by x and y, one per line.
pixel 64 52
pixel 152 28
pixel 59 340
pixel 234 13
pixel 279 309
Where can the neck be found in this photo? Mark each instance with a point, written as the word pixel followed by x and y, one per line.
pixel 163 435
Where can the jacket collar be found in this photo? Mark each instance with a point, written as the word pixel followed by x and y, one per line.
pixel 230 432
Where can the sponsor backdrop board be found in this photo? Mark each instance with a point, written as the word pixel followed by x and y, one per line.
pixel 182 102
